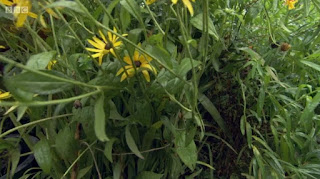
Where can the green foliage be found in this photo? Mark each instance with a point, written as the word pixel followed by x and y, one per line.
pixel 230 92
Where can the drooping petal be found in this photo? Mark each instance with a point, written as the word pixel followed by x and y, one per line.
pixel 112 52
pixel 123 77
pixel 189 6
pixel 33 15
pixel 146 75
pixel 148 66
pixel 93 50
pixel 100 59
pixel 97 55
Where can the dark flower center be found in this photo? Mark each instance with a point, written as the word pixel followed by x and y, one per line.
pixel 137 63
pixel 108 46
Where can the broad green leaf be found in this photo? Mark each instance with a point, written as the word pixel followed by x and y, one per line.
pixel 149 175
pixel 35 83
pixel 40 61
pixel 65 144
pixel 100 119
pixel 186 66
pixel 132 7
pixel 43 156
pixel 131 143
pixel 311 64
pixel 188 154
pixel 197 22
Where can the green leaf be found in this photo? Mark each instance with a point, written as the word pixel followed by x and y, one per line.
pixel 311 64
pixel 117 171
pixel 186 66
pixel 40 61
pixel 149 175
pixel 131 143
pixel 100 119
pixel 65 144
pixel 14 157
pixel 132 7
pixel 125 18
pixel 188 154
pixel 83 172
pixel 308 112
pixel 43 156
pixel 66 4
pixel 21 111
pixel 108 149
pixel 197 22
pixel 249 134
pixel 35 83
pixel 209 106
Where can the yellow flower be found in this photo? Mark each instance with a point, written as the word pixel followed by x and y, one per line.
pixel 186 3
pixel 21 10
pixel 150 2
pixel 290 3
pixel 4 95
pixel 51 64
pixel 104 47
pixel 141 62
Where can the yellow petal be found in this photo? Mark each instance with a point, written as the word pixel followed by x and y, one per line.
pixel 5 95
pixel 93 50
pixel 123 77
pixel 100 59
pixel 51 12
pixel 6 2
pixel 146 75
pixel 136 56
pixel 99 42
pixel 33 15
pixel 174 1
pixel 151 68
pixel 94 44
pixel 97 55
pixel 103 37
pixel 21 18
pixel 112 52
pixel 127 60
pixel 189 6
pixel 3 47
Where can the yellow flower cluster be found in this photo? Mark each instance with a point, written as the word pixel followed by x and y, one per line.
pixel 110 45
pixel 291 3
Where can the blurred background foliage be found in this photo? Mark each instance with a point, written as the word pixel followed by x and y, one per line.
pixel 235 95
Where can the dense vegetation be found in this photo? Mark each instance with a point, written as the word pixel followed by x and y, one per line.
pixel 159 89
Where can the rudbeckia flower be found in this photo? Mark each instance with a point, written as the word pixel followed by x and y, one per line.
pixel 4 95
pixel 141 62
pixel 104 46
pixel 290 3
pixel 21 9
pixel 186 3
pixel 150 2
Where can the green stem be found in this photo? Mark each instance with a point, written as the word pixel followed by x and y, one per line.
pixel 154 19
pixel 31 123
pixel 44 103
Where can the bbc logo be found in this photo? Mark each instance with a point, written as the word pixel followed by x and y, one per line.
pixel 17 9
